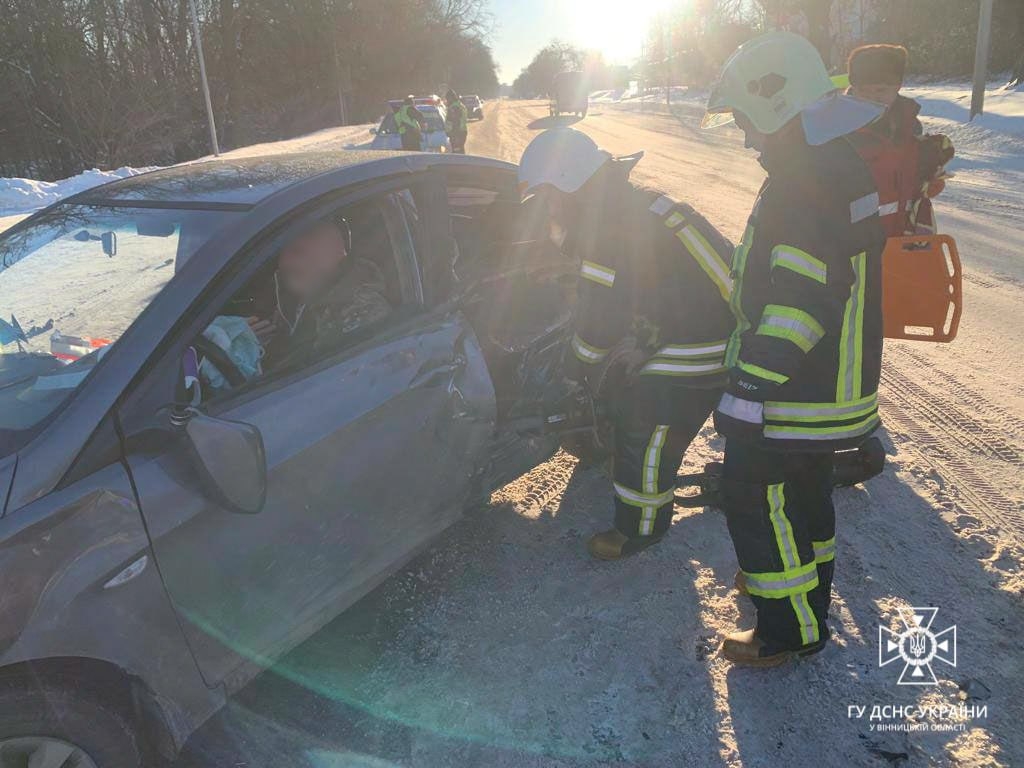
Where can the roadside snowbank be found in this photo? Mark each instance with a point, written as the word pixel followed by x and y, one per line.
pixel 24 195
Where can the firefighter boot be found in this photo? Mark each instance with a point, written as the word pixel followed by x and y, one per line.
pixel 746 649
pixel 615 545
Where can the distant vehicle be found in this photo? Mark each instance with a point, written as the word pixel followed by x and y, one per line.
pixel 475 105
pixel 435 139
pixel 569 94
pixel 161 542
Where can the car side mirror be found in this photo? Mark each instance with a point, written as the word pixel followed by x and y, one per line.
pixel 230 460
pixel 373 131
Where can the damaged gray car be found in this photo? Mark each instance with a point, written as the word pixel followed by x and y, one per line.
pixel 201 465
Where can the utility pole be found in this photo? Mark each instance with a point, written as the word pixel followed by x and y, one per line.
pixel 981 57
pixel 202 77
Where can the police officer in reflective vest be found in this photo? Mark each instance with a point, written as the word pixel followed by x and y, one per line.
pixel 456 122
pixel 409 122
pixel 655 270
pixel 805 354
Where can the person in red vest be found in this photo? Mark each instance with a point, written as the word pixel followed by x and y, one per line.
pixel 908 165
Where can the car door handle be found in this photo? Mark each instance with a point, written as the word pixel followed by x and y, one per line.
pixel 428 376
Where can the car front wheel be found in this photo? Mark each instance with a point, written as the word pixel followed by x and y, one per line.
pixel 49 727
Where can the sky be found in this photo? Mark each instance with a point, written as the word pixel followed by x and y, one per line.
pixel 522 27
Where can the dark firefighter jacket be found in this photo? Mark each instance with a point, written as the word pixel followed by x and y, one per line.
pixel 654 269
pixel 806 352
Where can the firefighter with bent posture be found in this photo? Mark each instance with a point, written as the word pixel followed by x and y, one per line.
pixel 805 355
pixel 652 269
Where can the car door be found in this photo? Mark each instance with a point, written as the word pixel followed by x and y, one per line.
pixel 370 452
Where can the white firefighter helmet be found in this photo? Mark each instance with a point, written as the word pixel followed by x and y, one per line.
pixel 770 79
pixel 560 157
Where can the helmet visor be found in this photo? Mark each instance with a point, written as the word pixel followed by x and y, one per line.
pixel 717 118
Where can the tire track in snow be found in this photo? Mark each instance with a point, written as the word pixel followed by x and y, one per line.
pixel 951 438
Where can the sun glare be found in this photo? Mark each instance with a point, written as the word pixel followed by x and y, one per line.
pixel 616 28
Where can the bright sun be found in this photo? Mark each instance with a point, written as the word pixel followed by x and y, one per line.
pixel 616 28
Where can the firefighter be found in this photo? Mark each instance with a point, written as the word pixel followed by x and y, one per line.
pixel 410 123
pixel 654 270
pixel 908 165
pixel 456 122
pixel 804 358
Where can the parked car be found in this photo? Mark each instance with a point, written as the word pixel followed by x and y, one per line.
pixel 569 94
pixel 434 139
pixel 475 105
pixel 174 525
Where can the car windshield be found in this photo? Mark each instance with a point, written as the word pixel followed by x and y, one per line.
pixel 71 282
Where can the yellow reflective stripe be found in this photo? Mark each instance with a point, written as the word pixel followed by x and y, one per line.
pixel 652 465
pixel 811 412
pixel 638 499
pixel 707 258
pixel 780 524
pixel 674 219
pixel 739 265
pixel 791 324
pixel 863 427
pixel 665 367
pixel 599 274
pixel 809 631
pixel 800 262
pixel 783 583
pixel 851 341
pixel 586 352
pixel 764 373
pixel 824 551
pixel 709 349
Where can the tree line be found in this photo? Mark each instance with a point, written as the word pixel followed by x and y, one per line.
pixel 105 83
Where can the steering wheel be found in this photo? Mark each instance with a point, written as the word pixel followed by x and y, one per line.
pixel 220 360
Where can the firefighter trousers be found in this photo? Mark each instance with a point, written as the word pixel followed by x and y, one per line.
pixel 778 506
pixel 653 428
pixel 458 141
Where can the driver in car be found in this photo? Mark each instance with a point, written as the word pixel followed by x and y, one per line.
pixel 321 293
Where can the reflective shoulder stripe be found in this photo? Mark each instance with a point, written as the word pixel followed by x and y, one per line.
pixel 749 411
pixel 887 209
pixel 586 352
pixel 764 373
pixel 662 205
pixel 799 261
pixel 707 258
pixel 792 324
pixel 599 274
pixel 863 207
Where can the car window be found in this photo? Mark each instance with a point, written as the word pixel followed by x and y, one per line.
pixel 387 125
pixel 333 283
pixel 71 283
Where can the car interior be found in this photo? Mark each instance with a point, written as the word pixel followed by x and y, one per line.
pixel 227 348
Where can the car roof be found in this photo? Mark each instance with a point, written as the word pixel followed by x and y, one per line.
pixel 247 181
